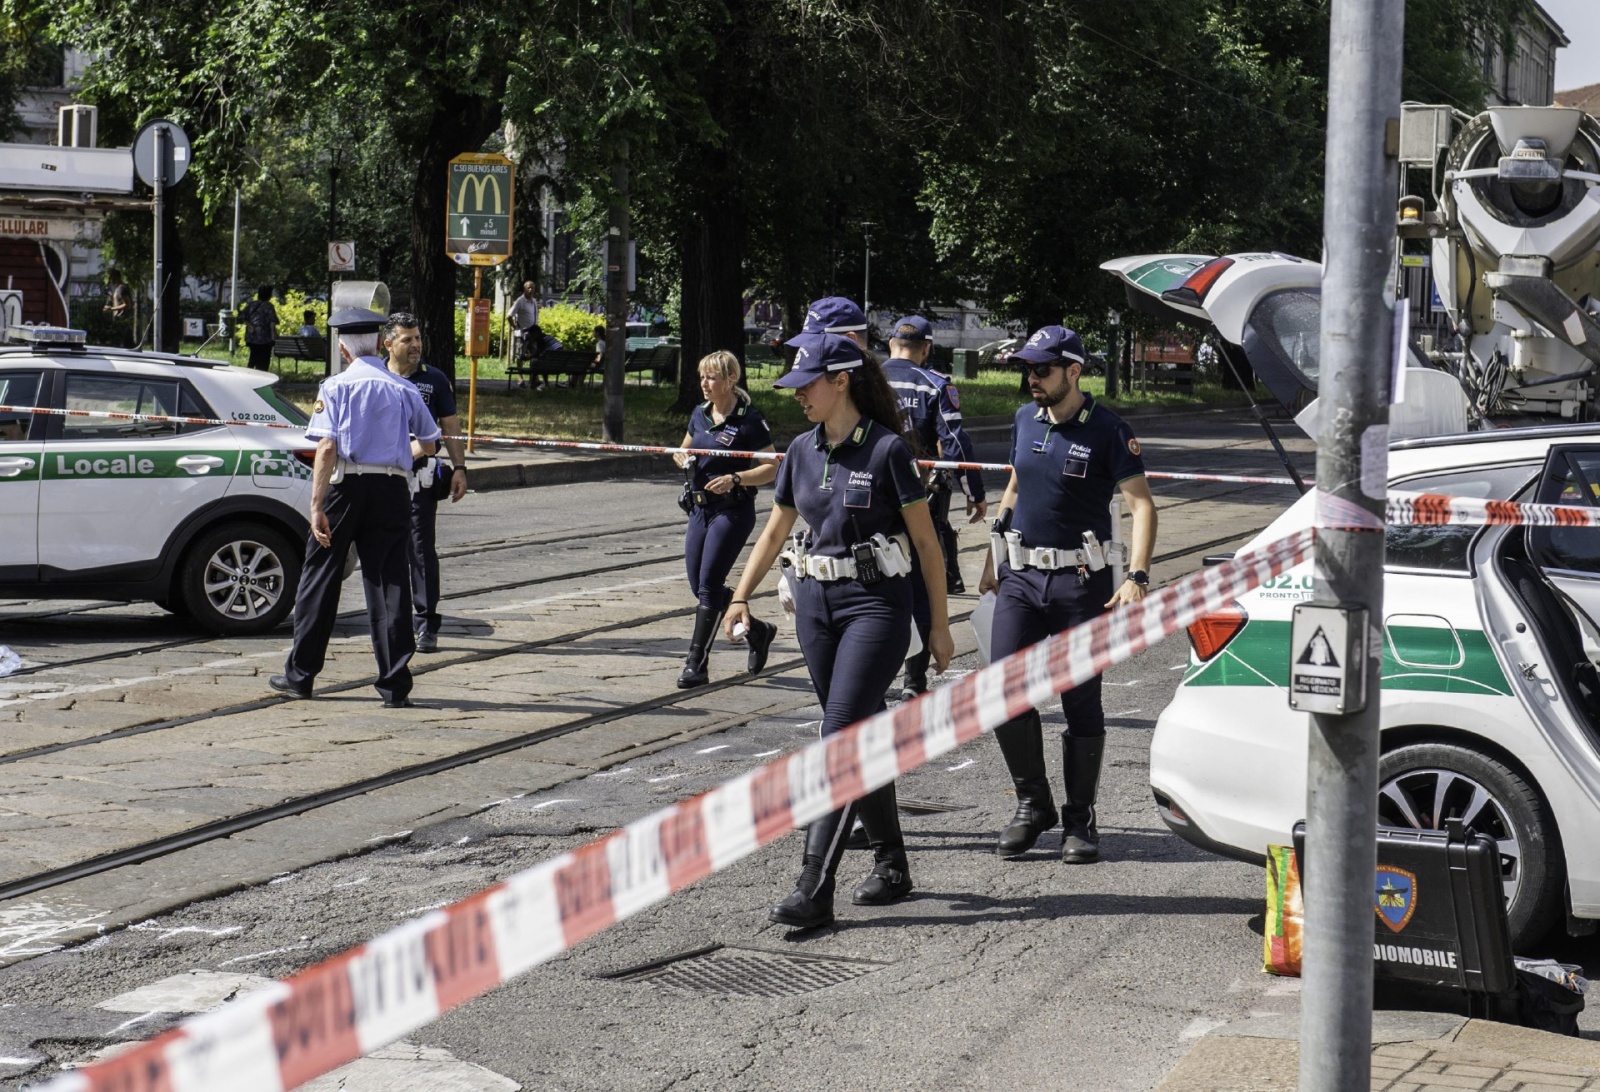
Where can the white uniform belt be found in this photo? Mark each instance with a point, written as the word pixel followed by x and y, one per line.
pixel 1094 555
pixel 893 556
pixel 374 468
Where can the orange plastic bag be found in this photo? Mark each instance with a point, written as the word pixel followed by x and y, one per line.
pixel 1285 913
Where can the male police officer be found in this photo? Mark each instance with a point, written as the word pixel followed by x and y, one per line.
pixel 363 422
pixel 931 408
pixel 403 339
pixel 1068 455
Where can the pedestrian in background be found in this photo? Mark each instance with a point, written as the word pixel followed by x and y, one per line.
pixel 853 480
pixel 435 480
pixel 260 321
pixel 1069 455
pixel 363 420
pixel 308 324
pixel 523 315
pixel 720 499
pixel 119 309
pixel 931 409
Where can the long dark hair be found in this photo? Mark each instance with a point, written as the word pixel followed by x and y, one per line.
pixel 870 391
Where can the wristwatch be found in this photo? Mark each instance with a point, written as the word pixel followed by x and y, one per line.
pixel 1140 577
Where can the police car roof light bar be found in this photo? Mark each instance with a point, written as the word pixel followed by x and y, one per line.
pixel 40 335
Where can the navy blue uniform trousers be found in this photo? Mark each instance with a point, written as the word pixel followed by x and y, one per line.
pixel 711 545
pixel 372 512
pixel 1031 606
pixel 423 556
pixel 854 638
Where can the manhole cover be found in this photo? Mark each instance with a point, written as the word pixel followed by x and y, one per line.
pixel 746 972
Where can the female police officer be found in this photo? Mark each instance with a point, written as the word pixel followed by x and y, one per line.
pixel 854 481
pixel 720 500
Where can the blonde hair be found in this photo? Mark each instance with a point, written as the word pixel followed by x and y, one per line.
pixel 724 364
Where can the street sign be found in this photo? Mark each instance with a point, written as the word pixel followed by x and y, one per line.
pixel 478 212
pixel 1327 669
pixel 177 150
pixel 342 257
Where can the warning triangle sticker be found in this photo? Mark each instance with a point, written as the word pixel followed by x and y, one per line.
pixel 1318 652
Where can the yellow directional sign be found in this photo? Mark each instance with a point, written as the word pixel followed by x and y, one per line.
pixel 478 212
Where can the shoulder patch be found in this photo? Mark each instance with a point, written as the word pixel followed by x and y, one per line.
pixel 955 397
pixel 318 406
pixel 1133 445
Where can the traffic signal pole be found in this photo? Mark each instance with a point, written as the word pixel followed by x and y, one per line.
pixel 1352 461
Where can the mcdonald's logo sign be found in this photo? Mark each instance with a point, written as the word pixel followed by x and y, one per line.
pixel 479 207
pixel 478 183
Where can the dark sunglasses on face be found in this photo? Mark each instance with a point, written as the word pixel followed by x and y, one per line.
pixel 1038 371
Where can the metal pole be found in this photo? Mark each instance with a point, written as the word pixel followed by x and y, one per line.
pixel 159 173
pixel 233 282
pixel 1364 59
pixel 616 300
pixel 866 281
pixel 472 358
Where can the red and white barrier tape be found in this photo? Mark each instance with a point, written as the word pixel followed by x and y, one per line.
pixel 333 1012
pixel 1434 509
pixel 588 445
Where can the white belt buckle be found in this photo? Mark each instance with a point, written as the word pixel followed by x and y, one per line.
pixel 1045 558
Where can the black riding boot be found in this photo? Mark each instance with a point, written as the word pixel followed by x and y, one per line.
pixel 810 904
pixel 916 680
pixel 1022 743
pixel 890 878
pixel 1080 763
pixel 758 636
pixel 705 630
pixel 950 539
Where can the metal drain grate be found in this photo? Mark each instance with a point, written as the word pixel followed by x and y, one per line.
pixel 747 972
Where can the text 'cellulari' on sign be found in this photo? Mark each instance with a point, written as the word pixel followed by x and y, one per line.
pixel 1327 672
pixel 479 209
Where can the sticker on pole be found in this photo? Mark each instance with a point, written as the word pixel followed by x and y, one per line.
pixel 1327 673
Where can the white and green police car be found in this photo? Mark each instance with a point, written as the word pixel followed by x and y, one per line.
pixel 204 520
pixel 1491 698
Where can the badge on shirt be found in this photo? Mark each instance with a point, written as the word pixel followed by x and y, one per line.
pixel 317 406
pixel 725 437
pixel 955 397
pixel 1077 464
pixel 1133 446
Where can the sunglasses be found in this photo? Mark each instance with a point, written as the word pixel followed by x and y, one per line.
pixel 1038 371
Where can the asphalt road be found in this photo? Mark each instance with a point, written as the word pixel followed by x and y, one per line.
pixel 994 974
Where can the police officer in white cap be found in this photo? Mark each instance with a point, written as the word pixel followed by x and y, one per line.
pixel 363 422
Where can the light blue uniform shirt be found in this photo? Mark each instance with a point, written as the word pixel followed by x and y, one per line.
pixel 371 414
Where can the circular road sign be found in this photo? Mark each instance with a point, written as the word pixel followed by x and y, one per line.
pixel 177 149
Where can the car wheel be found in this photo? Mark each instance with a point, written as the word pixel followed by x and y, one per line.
pixel 240 579
pixel 1423 785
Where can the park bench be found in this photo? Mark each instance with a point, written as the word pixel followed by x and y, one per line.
pixel 301 348
pixel 551 364
pixel 661 362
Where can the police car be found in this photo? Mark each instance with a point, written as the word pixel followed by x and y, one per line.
pixel 205 520
pixel 1491 698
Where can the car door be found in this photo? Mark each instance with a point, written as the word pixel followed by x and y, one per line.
pixel 1569 557
pixel 21 451
pixel 112 492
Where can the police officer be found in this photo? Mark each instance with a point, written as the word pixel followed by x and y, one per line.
pixel 931 409
pixel 1069 454
pixel 720 498
pixel 403 339
pixel 853 480
pixel 363 422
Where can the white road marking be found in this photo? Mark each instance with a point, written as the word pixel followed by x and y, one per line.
pixel 617 773
pixel 1127 712
pixel 21 1061
pixel 582 593
pixel 553 803
pixel 123 684
pixel 422 909
pixel 390 837
pixel 1134 682
pixel 713 750
pixel 357 882
pixel 1177 667
pixel 1199 1026
pixel 962 765
pixel 25 930
pixel 664 777
pixel 304 944
pixel 168 931
pixel 769 754
pixel 409 1067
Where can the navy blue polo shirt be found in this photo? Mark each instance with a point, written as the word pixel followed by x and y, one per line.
pixel 932 412
pixel 1068 473
pixel 870 476
pixel 438 392
pixel 745 429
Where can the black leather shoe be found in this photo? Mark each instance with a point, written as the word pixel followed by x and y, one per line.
pixel 282 685
pixel 759 638
pixel 1031 820
pixel 887 882
pixel 801 911
pixel 914 688
pixel 397 703
pixel 954 585
pixel 1081 846
pixel 427 642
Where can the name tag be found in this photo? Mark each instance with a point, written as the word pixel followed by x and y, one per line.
pixel 1075 468
pixel 858 498
pixel 725 437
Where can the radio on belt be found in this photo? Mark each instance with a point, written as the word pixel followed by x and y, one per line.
pixel 1327 663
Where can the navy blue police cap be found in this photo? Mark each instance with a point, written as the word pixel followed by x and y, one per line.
pixel 912 328
pixel 1051 345
pixel 817 355
pixel 833 315
pixel 356 320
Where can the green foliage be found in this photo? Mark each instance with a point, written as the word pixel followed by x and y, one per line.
pixel 572 326
pixel 291 307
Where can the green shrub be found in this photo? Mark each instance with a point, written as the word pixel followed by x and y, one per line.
pixel 291 308
pixel 572 326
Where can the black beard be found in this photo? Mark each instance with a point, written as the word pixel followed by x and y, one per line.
pixel 1048 402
